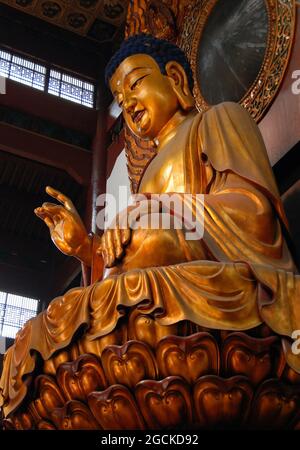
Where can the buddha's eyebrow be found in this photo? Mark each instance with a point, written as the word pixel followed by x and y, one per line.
pixel 136 68
pixel 115 93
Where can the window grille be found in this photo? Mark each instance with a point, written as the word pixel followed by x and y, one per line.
pixel 22 70
pixel 14 313
pixel 71 88
pixel 52 81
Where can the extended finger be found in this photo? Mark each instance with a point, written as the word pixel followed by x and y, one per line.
pixel 56 212
pixel 125 235
pixel 118 242
pixel 42 213
pixel 52 207
pixel 68 204
pixel 103 250
pixel 109 243
pixel 104 256
pixel 45 217
pixel 49 223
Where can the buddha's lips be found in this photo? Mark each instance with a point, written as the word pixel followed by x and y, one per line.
pixel 137 116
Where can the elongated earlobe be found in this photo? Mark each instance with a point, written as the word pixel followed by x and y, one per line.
pixel 180 85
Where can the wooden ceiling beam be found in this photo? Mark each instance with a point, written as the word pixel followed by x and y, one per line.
pixel 48 107
pixel 64 275
pixel 74 160
pixel 43 281
pixel 33 36
pixel 37 248
pixel 24 281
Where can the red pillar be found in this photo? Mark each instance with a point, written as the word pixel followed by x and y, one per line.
pixel 98 171
pixel 99 161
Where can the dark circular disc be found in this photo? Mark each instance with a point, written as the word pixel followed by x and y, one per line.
pixel 232 49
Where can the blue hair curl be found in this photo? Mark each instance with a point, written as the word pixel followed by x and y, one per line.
pixel 160 50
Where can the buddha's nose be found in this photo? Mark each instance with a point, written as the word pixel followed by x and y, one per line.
pixel 130 104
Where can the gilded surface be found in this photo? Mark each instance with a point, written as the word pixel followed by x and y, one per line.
pixel 194 398
pixel 186 30
pixel 149 344
pixel 169 21
pixel 163 19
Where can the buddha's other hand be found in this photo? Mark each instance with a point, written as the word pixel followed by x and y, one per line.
pixel 115 239
pixel 113 243
pixel 66 228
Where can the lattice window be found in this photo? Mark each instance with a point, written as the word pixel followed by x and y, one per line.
pixel 71 88
pixel 36 75
pixel 22 70
pixel 14 312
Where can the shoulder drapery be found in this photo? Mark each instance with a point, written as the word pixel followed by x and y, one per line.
pixel 232 141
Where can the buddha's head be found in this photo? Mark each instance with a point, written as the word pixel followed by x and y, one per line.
pixel 151 80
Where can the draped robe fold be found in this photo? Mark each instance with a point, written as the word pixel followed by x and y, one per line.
pixel 247 277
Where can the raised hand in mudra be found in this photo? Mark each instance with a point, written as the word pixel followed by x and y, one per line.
pixel 66 227
pixel 70 236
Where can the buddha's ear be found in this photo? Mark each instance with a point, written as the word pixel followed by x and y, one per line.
pixel 180 84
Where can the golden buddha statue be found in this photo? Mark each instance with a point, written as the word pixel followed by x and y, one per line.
pixel 154 283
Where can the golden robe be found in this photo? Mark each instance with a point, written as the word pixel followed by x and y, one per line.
pixel 237 276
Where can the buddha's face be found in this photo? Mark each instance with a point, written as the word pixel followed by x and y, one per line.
pixel 146 95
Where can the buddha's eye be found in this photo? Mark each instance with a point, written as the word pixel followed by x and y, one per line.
pixel 137 82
